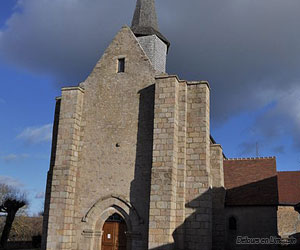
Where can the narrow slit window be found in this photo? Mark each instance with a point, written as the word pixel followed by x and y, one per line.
pixel 232 223
pixel 121 65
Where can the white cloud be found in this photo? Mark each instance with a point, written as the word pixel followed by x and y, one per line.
pixel 40 195
pixel 11 181
pixel 284 118
pixel 61 38
pixel 246 49
pixel 14 157
pixel 34 135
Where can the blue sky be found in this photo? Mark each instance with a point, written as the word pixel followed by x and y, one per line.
pixel 250 60
pixel 6 10
pixel 27 106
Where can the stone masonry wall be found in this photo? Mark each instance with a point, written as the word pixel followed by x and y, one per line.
pixel 179 233
pixel 181 195
pixel 218 197
pixel 198 182
pixel 117 142
pixel 216 162
pixel 164 166
pixel 50 173
pixel 104 149
pixel 136 144
pixel 61 212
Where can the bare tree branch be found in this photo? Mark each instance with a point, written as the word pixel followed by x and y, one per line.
pixel 11 200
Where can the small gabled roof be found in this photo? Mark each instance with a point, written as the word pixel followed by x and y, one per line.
pixel 251 182
pixel 255 181
pixel 289 187
pixel 239 172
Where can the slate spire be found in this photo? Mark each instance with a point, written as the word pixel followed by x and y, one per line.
pixel 144 22
pixel 145 14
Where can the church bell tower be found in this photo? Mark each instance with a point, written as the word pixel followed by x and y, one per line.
pixel 145 27
pixel 132 164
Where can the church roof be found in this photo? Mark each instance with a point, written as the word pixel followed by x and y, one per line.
pixel 238 172
pixel 289 187
pixel 144 22
pixel 255 181
pixel 250 182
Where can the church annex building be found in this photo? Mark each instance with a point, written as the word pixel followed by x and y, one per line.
pixel 134 167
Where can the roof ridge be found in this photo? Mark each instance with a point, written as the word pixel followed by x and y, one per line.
pixel 252 158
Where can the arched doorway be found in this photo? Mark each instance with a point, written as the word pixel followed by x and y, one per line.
pixel 114 233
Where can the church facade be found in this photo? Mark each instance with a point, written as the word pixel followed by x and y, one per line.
pixel 133 165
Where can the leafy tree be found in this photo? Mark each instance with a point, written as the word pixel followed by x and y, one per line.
pixel 11 200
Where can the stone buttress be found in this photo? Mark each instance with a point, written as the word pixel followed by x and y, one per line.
pixel 181 183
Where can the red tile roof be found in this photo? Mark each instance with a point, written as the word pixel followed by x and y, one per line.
pixel 239 172
pixel 251 181
pixel 255 181
pixel 289 187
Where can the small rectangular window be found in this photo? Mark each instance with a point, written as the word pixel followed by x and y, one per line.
pixel 121 65
pixel 232 223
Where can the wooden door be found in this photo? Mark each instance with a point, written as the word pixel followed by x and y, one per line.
pixel 114 237
pixel 121 240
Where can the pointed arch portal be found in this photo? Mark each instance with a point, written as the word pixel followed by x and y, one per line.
pixel 109 224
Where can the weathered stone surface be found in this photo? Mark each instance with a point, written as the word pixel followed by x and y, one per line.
pixel 136 144
pixel 218 197
pixel 288 221
pixel 60 204
pixel 164 170
pixel 113 109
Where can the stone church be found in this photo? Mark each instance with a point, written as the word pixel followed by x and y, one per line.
pixel 133 164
